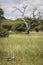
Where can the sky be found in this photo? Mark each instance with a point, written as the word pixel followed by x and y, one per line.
pixel 11 13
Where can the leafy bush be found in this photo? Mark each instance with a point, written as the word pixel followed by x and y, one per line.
pixel 8 27
pixel 20 27
pixel 37 29
pixel 3 32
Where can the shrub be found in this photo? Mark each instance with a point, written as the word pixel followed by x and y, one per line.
pixel 8 27
pixel 37 29
pixel 3 32
pixel 19 27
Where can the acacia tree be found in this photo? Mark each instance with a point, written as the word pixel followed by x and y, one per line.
pixel 23 15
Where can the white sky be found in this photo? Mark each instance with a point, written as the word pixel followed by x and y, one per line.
pixel 8 5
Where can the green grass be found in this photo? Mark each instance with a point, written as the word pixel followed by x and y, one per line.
pixel 27 49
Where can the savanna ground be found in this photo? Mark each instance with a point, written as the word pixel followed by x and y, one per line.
pixel 26 48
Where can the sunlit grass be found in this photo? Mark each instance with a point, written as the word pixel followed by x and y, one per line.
pixel 27 49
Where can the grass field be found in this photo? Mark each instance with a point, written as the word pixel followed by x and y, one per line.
pixel 26 48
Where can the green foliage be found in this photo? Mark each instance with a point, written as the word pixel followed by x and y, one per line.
pixel 20 27
pixel 7 24
pixel 3 32
pixel 27 19
pixel 41 25
pixel 1 12
pixel 1 15
pixel 37 29
pixel 8 27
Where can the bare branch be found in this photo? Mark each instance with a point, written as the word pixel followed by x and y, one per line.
pixel 18 9
pixel 34 10
pixel 24 8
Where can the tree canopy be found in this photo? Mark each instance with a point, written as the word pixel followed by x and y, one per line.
pixel 1 12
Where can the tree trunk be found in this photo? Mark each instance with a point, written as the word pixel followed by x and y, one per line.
pixel 27 27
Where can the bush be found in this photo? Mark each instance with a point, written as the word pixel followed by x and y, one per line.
pixel 37 29
pixel 8 27
pixel 19 27
pixel 3 32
